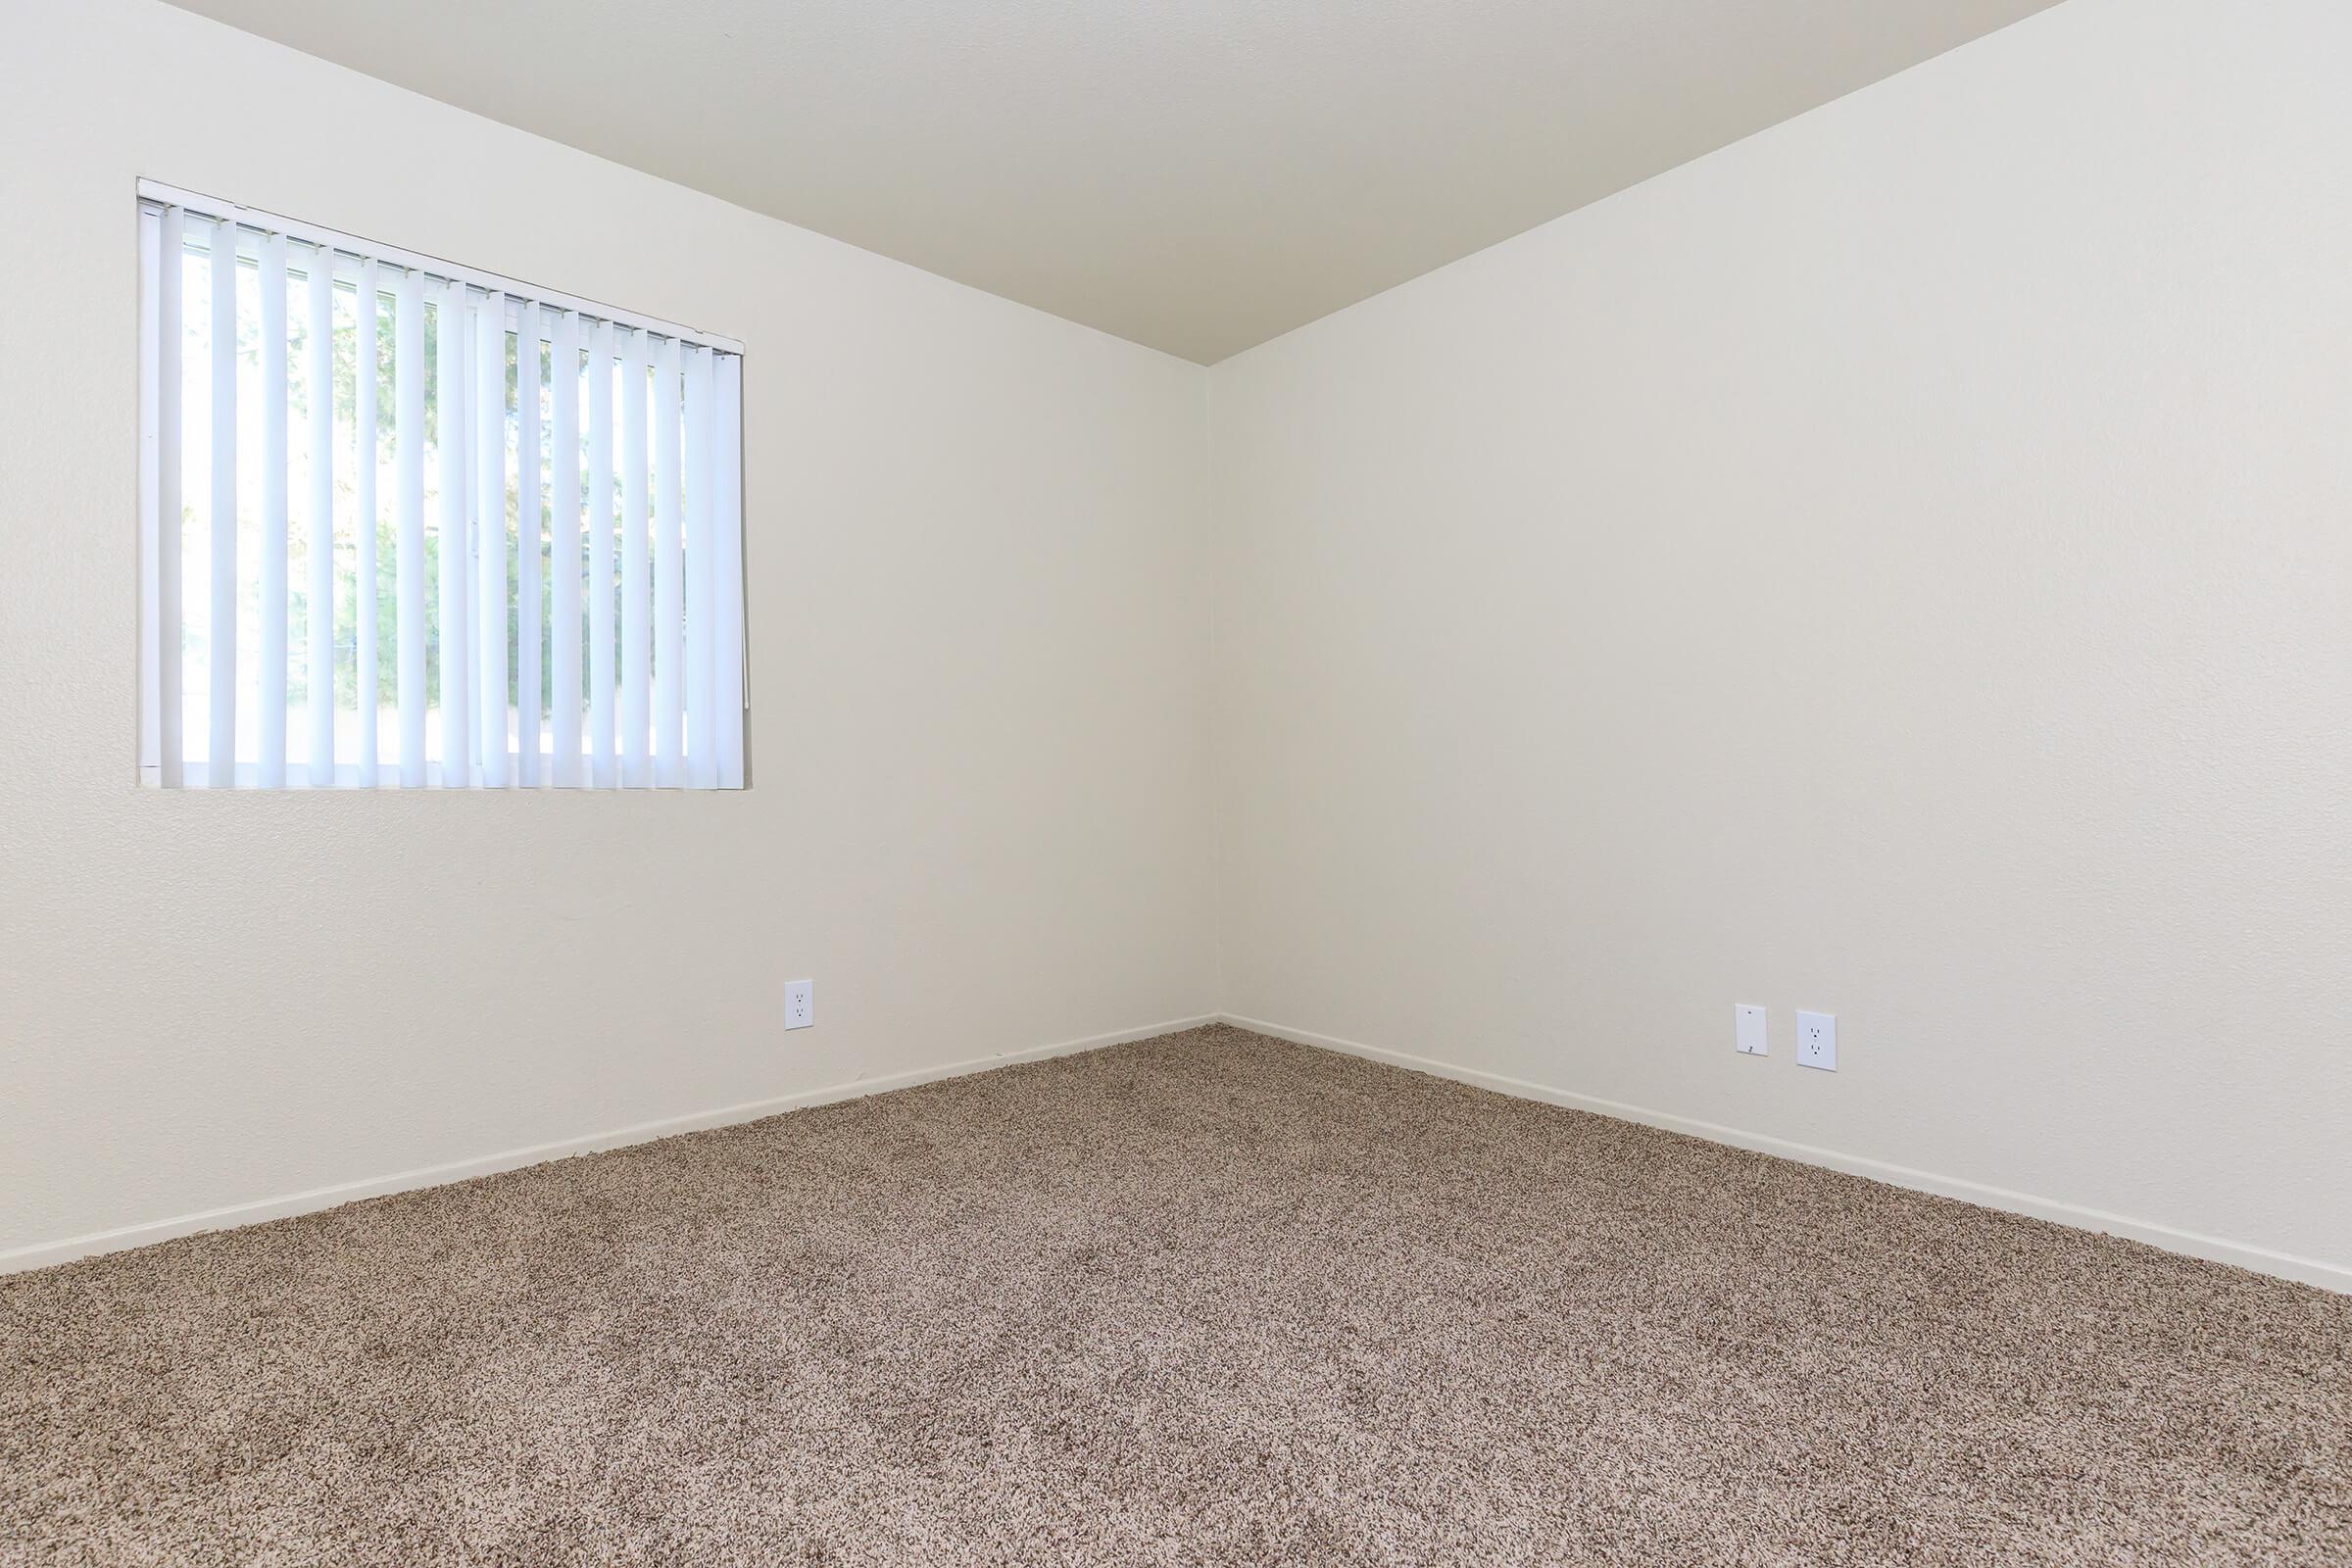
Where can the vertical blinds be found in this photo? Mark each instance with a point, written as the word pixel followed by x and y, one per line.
pixel 411 525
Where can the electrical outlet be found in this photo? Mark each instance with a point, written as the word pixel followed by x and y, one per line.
pixel 1747 1030
pixel 1817 1041
pixel 800 1004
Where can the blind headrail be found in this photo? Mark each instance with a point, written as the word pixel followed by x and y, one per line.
pixel 156 194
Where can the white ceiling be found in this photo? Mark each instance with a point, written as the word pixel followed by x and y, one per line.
pixel 1195 175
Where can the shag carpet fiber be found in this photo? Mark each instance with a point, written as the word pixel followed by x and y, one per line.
pixel 1209 1299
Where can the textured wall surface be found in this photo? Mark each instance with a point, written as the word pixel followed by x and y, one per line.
pixel 977 585
pixel 1900 565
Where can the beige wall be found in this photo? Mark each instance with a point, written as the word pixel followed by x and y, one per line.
pixel 978 602
pixel 1899 565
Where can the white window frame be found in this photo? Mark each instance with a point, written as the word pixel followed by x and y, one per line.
pixel 346 250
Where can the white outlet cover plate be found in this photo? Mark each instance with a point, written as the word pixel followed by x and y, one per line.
pixel 1747 1030
pixel 800 1004
pixel 1817 1041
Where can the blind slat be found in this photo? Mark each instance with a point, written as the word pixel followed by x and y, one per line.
pixel 269 691
pixel 529 617
pixel 490 532
pixel 726 526
pixel 601 646
pixel 448 409
pixel 669 595
pixel 636 612
pixel 221 755
pixel 563 546
pixel 171 248
pixel 363 367
pixel 318 674
pixel 701 686
pixel 408 442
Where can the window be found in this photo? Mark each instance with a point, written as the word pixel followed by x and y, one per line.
pixel 409 524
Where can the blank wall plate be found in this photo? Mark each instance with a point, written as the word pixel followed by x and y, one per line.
pixel 1747 1030
pixel 1817 1041
pixel 800 1004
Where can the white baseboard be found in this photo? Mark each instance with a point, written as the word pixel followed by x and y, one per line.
pixel 2311 1271
pixel 2262 1260
pixel 45 1253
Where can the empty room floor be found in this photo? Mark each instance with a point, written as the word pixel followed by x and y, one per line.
pixel 1206 1298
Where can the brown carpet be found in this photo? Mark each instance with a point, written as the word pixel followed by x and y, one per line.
pixel 1211 1298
